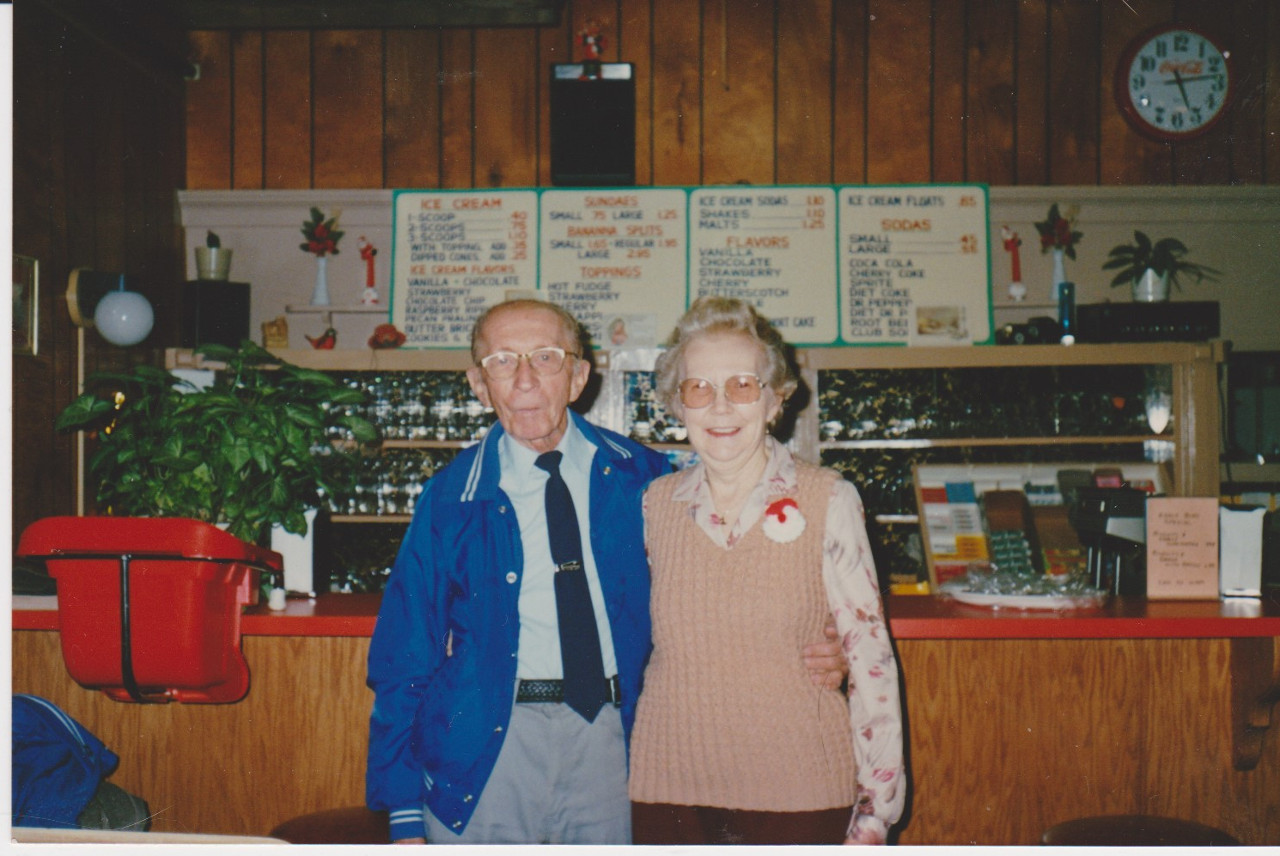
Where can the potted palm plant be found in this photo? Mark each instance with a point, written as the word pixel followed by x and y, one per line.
pixel 250 451
pixel 1152 267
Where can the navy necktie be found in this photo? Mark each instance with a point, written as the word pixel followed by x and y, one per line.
pixel 585 688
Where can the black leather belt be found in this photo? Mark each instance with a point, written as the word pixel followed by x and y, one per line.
pixel 536 692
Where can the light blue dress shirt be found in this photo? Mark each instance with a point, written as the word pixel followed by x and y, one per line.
pixel 525 485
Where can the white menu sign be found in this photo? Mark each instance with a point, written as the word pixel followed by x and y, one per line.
pixel 456 253
pixel 914 265
pixel 773 247
pixel 616 260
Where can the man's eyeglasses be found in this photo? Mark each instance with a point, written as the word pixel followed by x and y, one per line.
pixel 698 392
pixel 501 365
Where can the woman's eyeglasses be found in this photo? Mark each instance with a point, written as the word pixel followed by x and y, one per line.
pixel 501 365
pixel 698 392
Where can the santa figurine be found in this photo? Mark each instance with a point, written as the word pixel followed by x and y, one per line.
pixel 367 251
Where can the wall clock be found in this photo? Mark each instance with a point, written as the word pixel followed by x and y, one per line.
pixel 1174 83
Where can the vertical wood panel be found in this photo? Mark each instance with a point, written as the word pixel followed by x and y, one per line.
pixel 555 45
pixel 457 127
pixel 738 120
pixel 849 95
pixel 1249 46
pixel 1271 95
pixel 412 122
pixel 1031 80
pixel 287 102
pixel 898 99
pixel 209 113
pixel 347 133
pixel 1073 93
pixel 1127 157
pixel 635 45
pixel 677 93
pixel 989 149
pixel 506 105
pixel 247 91
pixel 951 112
pixel 804 92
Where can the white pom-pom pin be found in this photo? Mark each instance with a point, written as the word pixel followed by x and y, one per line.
pixel 783 521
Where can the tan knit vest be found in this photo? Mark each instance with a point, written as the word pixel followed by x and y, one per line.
pixel 728 716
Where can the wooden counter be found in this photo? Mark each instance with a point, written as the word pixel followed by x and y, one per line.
pixel 1016 721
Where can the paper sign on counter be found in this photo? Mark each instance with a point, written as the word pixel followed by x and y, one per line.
pixel 1182 548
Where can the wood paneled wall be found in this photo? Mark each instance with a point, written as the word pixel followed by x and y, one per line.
pixel 1005 92
pixel 98 154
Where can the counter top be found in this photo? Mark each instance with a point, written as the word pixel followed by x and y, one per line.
pixel 910 617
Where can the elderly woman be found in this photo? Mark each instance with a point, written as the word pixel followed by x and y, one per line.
pixel 749 550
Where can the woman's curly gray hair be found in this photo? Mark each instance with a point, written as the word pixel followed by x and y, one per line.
pixel 710 315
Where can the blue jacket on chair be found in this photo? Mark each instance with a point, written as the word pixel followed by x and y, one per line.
pixel 442 662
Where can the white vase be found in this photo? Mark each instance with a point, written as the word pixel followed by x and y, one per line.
pixel 320 296
pixel 298 553
pixel 1151 287
pixel 1059 273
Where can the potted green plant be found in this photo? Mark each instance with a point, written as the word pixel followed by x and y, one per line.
pixel 1151 267
pixel 250 451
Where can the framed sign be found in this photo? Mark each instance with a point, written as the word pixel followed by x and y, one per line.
pixel 456 253
pixel 915 265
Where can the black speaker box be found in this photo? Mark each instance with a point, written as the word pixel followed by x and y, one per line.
pixel 1181 321
pixel 593 124
pixel 214 312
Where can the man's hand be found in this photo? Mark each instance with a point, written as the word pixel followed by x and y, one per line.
pixel 825 660
pixel 410 841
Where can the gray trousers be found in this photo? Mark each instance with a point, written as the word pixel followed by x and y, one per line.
pixel 559 780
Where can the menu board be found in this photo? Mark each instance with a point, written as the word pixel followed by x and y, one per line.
pixel 616 259
pixel 915 265
pixel 456 253
pixel 864 265
pixel 772 247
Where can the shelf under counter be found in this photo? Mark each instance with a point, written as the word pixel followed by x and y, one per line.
pixel 910 617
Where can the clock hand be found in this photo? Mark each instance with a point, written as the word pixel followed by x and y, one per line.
pixel 1179 80
pixel 1177 77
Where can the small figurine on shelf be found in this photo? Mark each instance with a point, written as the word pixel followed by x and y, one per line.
pixel 592 42
pixel 275 334
pixel 325 341
pixel 386 336
pixel 1017 291
pixel 367 251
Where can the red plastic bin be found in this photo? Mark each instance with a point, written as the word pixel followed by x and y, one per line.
pixel 149 608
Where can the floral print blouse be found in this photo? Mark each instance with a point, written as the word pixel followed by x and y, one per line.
pixel 854 596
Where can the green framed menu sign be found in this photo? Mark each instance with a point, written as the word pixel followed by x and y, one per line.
pixel 828 265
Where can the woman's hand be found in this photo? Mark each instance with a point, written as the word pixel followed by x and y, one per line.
pixel 825 660
pixel 866 830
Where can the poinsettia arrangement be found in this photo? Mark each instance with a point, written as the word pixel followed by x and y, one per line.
pixel 322 234
pixel 1058 232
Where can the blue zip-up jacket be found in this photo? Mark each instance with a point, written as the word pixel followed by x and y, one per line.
pixel 442 662
pixel 58 764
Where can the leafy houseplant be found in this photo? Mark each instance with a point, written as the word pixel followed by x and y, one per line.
pixel 1166 258
pixel 249 451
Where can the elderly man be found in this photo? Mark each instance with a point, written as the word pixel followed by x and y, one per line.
pixel 514 630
